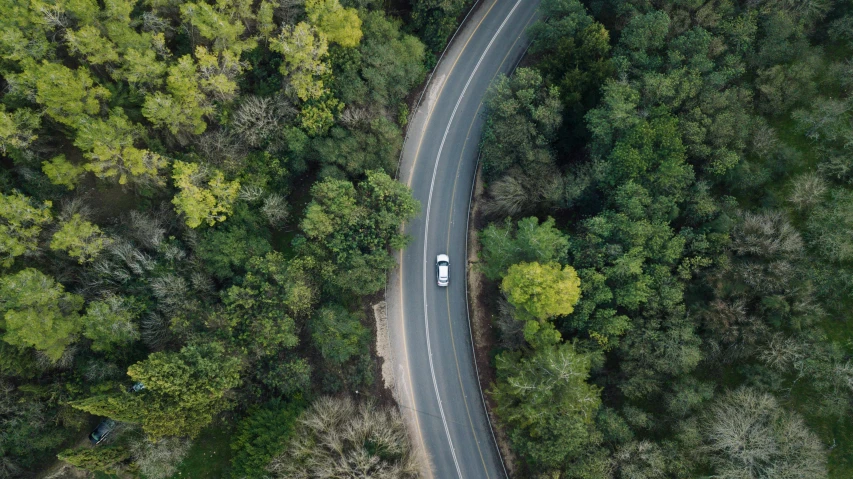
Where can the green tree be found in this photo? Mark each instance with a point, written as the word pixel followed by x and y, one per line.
pixel 37 312
pixel 204 196
pixel 183 392
pixel 575 54
pixel 317 116
pixel 219 24
pixel 289 378
pixel 21 223
pixel 227 249
pixel 141 69
pixel 547 404
pixel 523 117
pixel 530 241
pixel 110 322
pixel 652 152
pixel 828 227
pixel 340 25
pixel 355 226
pixel 373 145
pixel 80 239
pixel 261 310
pixel 88 43
pixel 387 65
pixel 435 20
pixel 338 334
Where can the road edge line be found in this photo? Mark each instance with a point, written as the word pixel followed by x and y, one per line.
pixel 468 306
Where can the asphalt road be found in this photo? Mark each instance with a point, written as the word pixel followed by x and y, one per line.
pixel 435 375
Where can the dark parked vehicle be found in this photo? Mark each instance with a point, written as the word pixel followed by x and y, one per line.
pixel 102 431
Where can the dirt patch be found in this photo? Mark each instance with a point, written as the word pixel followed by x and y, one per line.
pixel 378 391
pixel 66 471
pixel 480 314
pixel 383 344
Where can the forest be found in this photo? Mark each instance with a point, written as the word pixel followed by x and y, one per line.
pixel 197 206
pixel 668 239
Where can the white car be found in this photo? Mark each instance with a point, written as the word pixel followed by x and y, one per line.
pixel 442 269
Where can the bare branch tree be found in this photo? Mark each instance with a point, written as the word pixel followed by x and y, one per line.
pixel 807 190
pixel 337 438
pixel 160 459
pixel 750 436
pixel 275 209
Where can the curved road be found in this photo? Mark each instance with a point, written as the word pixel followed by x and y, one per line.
pixel 435 377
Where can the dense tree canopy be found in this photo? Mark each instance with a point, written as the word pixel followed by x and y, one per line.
pixel 172 175
pixel 699 183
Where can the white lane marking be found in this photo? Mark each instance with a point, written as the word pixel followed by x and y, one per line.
pixel 426 234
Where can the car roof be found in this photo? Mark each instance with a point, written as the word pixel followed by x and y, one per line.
pixel 442 257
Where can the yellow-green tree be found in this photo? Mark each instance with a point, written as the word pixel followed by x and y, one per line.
pixel 340 25
pixel 21 222
pixel 217 72
pixel 141 69
pixel 62 172
pixel 80 239
pixel 542 291
pixel 91 45
pixel 109 322
pixel 68 96
pixel 37 312
pixel 17 128
pixel 182 109
pixel 204 195
pixel 318 116
pixel 219 25
pixel 304 50
pixel 109 147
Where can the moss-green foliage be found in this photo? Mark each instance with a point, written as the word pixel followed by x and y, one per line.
pixel 79 238
pixel 21 222
pixel 547 403
pixel 183 391
pixel 104 459
pixel 507 245
pixel 261 435
pixel 435 20
pixel 338 334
